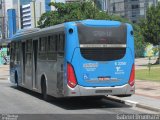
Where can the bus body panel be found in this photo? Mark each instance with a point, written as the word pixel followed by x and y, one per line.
pixel 89 73
pixel 93 77
pixel 48 70
pixel 71 41
pixel 130 41
pixel 116 72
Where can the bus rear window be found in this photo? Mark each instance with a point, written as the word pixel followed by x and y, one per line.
pixel 102 35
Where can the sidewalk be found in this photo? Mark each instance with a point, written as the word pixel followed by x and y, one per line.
pixel 148 89
pixel 147 94
pixel 4 72
pixel 141 63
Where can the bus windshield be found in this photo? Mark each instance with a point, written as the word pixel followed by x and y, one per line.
pixel 102 35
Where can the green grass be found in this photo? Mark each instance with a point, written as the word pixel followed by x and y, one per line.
pixel 144 74
pixel 155 66
pixel 151 66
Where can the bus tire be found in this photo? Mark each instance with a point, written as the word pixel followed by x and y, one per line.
pixel 44 89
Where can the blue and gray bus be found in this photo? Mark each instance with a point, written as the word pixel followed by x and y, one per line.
pixel 73 59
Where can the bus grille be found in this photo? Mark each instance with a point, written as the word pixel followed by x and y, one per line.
pixel 103 54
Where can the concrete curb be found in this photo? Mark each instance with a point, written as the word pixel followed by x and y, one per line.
pixel 148 107
pixel 132 103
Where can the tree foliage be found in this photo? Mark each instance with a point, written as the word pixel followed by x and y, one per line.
pixel 140 44
pixel 71 12
pixel 151 25
pixel 74 11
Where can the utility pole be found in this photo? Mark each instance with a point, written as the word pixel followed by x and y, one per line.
pixel 3 19
pixel 33 18
pixel 19 15
pixel 108 6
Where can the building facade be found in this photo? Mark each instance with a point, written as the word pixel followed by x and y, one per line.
pixel 102 4
pixel 131 9
pixel 5 5
pixel 31 13
pixel 1 20
pixel 26 14
pixel 9 8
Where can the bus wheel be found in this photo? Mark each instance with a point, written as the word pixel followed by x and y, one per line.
pixel 44 90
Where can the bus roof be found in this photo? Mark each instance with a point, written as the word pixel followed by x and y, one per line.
pixel 34 32
pixel 100 22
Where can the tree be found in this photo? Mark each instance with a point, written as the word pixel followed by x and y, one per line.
pixel 140 44
pixel 150 26
pixel 71 12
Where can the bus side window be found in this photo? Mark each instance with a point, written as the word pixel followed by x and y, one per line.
pixel 42 48
pixel 52 54
pixel 60 44
pixel 28 45
pixel 28 52
pixel 56 39
pixel 12 52
pixel 17 51
pixel 8 49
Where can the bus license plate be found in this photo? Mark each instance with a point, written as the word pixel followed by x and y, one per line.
pixel 103 91
pixel 103 78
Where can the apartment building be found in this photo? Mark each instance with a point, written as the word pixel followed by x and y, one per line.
pixel 131 9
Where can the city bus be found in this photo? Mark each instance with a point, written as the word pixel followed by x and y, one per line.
pixel 75 59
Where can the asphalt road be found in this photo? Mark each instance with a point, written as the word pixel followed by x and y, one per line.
pixel 22 101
